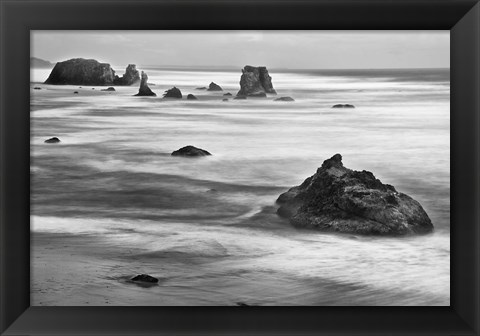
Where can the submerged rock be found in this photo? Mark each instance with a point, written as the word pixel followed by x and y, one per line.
pixel 144 90
pixel 37 88
pixel 338 199
pixel 284 99
pixel 255 81
pixel 173 93
pixel 145 278
pixel 190 151
pixel 201 88
pixel 52 140
pixel 343 106
pixel 109 89
pixel 214 87
pixel 130 77
pixel 224 99
pixel 191 97
pixel 228 94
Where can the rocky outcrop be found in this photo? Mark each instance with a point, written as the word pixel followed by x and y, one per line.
pixel 338 199
pixel 255 81
pixel 190 151
pixel 144 90
pixel 36 62
pixel 131 76
pixel 80 71
pixel 343 106
pixel 52 140
pixel 191 97
pixel 284 99
pixel 214 87
pixel 145 278
pixel 173 93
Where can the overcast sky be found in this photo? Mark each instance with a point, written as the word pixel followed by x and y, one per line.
pixel 275 49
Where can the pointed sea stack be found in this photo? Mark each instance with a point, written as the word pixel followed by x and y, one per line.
pixel 338 199
pixel 144 89
pixel 255 82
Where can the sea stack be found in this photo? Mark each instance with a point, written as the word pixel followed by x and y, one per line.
pixel 80 71
pixel 214 87
pixel 144 90
pixel 131 76
pixel 338 199
pixel 255 82
pixel 173 93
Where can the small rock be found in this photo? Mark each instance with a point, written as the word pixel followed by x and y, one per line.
pixel 173 93
pixel 284 99
pixel 227 94
pixel 343 106
pixel 201 88
pixel 191 97
pixel 52 140
pixel 190 151
pixel 145 278
pixel 240 97
pixel 109 89
pixel 224 99
pixel 214 87
pixel 75 92
pixel 37 88
pixel 93 88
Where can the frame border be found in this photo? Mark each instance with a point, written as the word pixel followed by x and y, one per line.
pixel 18 17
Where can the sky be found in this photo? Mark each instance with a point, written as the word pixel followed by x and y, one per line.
pixel 274 49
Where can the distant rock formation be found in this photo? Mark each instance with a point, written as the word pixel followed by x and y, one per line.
pixel 131 76
pixel 191 97
pixel 284 99
pixel 214 87
pixel 338 199
pixel 36 62
pixel 80 71
pixel 111 88
pixel 145 278
pixel 144 90
pixel 343 106
pixel 173 93
pixel 52 140
pixel 255 81
pixel 190 151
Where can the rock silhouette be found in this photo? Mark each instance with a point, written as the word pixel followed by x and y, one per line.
pixel 109 89
pixel 80 71
pixel 343 106
pixel 52 140
pixel 284 99
pixel 144 90
pixel 338 199
pixel 255 81
pixel 145 278
pixel 190 151
pixel 214 87
pixel 173 93
pixel 191 97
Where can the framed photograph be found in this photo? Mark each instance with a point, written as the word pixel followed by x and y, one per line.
pixel 217 167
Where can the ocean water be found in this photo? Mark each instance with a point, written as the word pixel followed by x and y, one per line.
pixel 207 227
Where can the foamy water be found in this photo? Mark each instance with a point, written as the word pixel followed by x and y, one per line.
pixel 112 176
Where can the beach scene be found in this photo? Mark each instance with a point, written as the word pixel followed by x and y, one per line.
pixel 260 181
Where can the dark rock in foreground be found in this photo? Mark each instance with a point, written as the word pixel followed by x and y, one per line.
pixel 343 106
pixel 80 71
pixel 52 140
pixel 173 93
pixel 338 199
pixel 191 97
pixel 144 90
pixel 214 87
pixel 109 89
pixel 130 77
pixel 145 278
pixel 190 151
pixel 284 99
pixel 255 81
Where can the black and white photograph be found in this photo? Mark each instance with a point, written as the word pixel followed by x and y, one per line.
pixel 240 168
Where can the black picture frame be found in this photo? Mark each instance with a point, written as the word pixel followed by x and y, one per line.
pixel 18 17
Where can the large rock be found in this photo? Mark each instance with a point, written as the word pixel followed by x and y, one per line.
pixel 131 76
pixel 338 199
pixel 190 151
pixel 173 93
pixel 255 81
pixel 80 71
pixel 144 90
